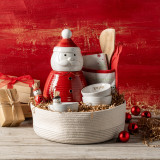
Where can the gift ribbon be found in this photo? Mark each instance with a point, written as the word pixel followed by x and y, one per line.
pixel 12 103
pixel 10 81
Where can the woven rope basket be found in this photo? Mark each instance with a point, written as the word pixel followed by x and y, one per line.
pixel 79 127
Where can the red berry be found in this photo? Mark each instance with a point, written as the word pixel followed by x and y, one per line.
pixel 146 114
pixel 133 128
pixel 123 136
pixel 135 110
pixel 128 117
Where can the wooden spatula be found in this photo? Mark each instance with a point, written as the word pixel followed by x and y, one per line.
pixel 107 42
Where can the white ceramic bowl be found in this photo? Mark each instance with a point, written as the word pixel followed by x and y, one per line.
pixel 64 106
pixel 79 127
pixel 97 90
pixel 97 100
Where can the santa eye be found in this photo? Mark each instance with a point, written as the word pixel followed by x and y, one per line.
pixel 65 55
pixel 74 54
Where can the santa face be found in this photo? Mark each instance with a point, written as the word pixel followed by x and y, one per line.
pixel 67 61
pixel 37 92
pixel 58 100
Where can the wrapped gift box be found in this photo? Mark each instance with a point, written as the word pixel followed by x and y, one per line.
pixel 25 91
pixel 11 113
pixel 26 110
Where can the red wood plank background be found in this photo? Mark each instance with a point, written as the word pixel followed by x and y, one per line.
pixel 29 29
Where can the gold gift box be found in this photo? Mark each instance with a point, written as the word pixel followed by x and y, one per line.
pixel 23 89
pixel 11 113
pixel 26 110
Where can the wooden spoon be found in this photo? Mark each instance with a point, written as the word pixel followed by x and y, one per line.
pixel 107 43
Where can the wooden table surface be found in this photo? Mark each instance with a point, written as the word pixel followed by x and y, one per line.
pixel 22 143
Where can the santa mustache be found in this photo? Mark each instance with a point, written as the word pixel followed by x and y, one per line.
pixel 70 62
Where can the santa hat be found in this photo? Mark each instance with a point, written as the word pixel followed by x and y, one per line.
pixel 66 44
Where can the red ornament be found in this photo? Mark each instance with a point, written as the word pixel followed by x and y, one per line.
pixel 146 114
pixel 135 110
pixel 38 99
pixel 128 117
pixel 133 128
pixel 123 136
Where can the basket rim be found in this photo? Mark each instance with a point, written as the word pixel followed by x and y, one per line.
pixel 106 110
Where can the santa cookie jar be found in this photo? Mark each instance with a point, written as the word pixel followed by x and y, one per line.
pixel 66 76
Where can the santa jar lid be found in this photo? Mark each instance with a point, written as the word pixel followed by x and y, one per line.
pixel 66 44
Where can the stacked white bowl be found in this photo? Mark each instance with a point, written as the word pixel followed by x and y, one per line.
pixel 97 94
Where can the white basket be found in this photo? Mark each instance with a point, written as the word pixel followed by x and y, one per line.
pixel 79 127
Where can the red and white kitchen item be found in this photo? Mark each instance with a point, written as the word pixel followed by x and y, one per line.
pixel 97 90
pixel 100 76
pixel 66 76
pixel 97 94
pixel 105 76
pixel 37 91
pixel 97 100
pixel 64 107
pixel 96 61
pixel 38 97
pixel 58 106
pixel 107 42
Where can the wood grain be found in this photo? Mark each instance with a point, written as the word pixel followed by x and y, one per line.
pixel 30 29
pixel 22 143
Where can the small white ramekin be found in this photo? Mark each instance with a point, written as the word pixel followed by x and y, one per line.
pixel 97 100
pixel 97 90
